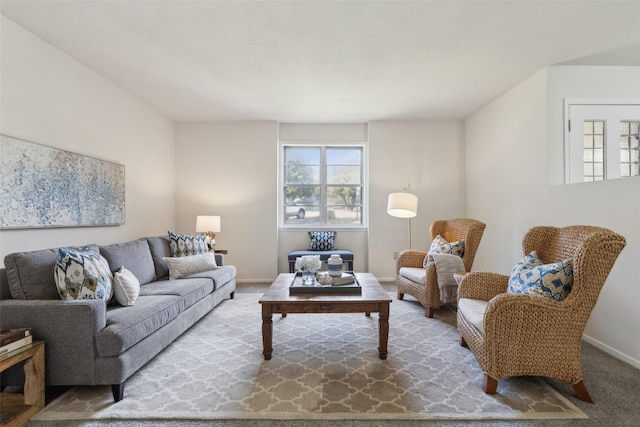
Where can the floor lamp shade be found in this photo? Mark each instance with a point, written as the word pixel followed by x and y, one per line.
pixel 402 205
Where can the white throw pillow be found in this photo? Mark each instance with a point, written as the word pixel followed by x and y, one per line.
pixel 186 265
pixel 126 287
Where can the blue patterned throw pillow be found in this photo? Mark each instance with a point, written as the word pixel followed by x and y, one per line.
pixel 83 275
pixel 186 245
pixel 531 277
pixel 322 241
pixel 441 246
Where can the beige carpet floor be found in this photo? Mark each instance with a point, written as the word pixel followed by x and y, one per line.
pixel 324 367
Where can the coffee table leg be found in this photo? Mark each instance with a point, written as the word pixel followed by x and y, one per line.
pixel 384 330
pixel 267 331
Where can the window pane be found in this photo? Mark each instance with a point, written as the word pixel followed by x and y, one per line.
pixel 624 169
pixel 308 215
pixel 598 128
pixel 344 215
pixel 624 128
pixel 598 170
pixel 299 174
pixel 302 155
pixel 343 175
pixel 588 128
pixel 588 155
pixel 344 196
pixel 624 156
pixel 588 141
pixel 344 156
pixel 598 141
pixel 624 142
pixel 302 195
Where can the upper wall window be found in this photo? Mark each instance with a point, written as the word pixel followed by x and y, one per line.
pixel 322 185
pixel 601 140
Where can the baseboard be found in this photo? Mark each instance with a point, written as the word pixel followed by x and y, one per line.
pixel 612 351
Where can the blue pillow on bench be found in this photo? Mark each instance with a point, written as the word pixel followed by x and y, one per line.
pixel 322 241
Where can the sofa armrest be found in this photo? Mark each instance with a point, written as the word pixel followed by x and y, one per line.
pixel 219 260
pixel 68 328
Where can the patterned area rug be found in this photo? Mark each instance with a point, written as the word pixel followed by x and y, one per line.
pixel 323 367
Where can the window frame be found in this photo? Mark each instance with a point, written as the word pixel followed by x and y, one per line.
pixel 323 225
pixel 574 161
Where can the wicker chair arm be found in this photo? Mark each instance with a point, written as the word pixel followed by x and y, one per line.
pixel 526 325
pixel 482 285
pixel 410 258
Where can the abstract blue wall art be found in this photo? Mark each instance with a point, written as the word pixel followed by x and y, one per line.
pixel 42 186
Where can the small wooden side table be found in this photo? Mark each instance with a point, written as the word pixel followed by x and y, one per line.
pixel 26 405
pixel 221 251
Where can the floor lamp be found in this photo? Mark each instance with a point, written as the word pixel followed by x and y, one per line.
pixel 403 205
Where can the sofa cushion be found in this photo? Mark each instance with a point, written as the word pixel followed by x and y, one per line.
pixel 127 326
pixel 531 277
pixel 83 274
pixel 30 274
pixel 189 290
pixel 183 266
pixel 159 247
pixel 187 245
pixel 322 240
pixel 126 287
pixel 220 276
pixel 135 256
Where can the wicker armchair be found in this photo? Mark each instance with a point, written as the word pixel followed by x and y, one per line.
pixel 524 335
pixel 427 291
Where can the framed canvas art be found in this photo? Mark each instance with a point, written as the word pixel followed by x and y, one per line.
pixel 42 186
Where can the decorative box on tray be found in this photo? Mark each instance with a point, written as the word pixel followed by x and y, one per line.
pixel 346 284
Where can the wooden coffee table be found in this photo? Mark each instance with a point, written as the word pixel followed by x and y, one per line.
pixel 373 299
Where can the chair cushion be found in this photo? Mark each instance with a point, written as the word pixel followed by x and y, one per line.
pixel 531 277
pixel 473 310
pixel 441 246
pixel 322 240
pixel 415 274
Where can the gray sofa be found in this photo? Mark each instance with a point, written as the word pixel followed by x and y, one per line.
pixel 91 343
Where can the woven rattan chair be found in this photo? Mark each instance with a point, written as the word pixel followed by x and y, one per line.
pixel 524 335
pixel 427 291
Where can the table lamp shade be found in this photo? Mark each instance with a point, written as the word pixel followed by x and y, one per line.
pixel 402 205
pixel 206 223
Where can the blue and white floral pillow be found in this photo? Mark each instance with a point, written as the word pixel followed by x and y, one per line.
pixel 322 241
pixel 83 275
pixel 531 277
pixel 441 246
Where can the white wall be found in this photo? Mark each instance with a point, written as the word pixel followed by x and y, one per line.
pixel 229 169
pixel 428 155
pixel 510 146
pixel 51 99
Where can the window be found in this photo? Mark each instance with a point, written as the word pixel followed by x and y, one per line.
pixel 322 185
pixel 601 140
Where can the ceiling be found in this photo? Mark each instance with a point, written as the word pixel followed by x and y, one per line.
pixel 329 61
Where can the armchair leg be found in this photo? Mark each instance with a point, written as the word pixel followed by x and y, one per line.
pixel 490 384
pixel 429 312
pixel 400 295
pixel 463 343
pixel 581 392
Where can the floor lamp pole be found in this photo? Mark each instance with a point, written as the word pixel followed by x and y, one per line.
pixel 409 233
